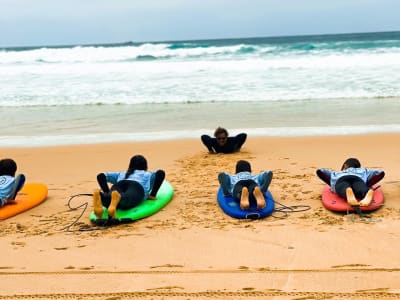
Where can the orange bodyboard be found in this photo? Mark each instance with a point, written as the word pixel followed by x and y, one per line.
pixel 31 195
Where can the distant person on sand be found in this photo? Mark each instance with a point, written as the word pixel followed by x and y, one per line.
pixel 222 142
pixel 352 182
pixel 129 187
pixel 9 183
pixel 245 187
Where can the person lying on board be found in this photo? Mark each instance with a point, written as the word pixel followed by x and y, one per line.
pixel 222 142
pixel 129 188
pixel 245 187
pixel 352 182
pixel 10 184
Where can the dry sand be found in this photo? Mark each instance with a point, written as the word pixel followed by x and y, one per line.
pixel 191 249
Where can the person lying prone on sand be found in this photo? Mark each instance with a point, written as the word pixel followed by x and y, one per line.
pixel 352 182
pixel 245 187
pixel 129 187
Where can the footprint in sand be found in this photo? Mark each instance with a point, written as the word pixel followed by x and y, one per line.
pixel 87 268
pixel 69 268
pixel 21 244
pixel 61 248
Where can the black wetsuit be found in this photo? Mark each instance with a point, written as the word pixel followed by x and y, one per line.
pixel 232 144
pixel 132 192
pixel 358 186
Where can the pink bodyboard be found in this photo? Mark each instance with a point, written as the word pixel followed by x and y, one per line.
pixel 334 202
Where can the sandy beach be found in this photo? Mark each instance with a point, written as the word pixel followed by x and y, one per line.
pixel 191 249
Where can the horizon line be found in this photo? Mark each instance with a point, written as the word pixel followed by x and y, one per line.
pixel 109 44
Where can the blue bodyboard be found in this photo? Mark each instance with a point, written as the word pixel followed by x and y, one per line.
pixel 231 207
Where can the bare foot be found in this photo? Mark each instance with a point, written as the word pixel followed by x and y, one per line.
pixel 112 209
pixel 367 199
pixel 244 199
pixel 258 194
pixel 97 205
pixel 351 199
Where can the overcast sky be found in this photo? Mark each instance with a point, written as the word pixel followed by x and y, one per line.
pixel 66 22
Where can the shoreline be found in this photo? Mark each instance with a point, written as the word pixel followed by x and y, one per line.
pixel 191 249
pixel 64 125
pixel 152 137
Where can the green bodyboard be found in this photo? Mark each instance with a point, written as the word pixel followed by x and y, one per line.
pixel 143 210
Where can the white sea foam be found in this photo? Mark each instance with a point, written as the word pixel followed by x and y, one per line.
pixel 369 75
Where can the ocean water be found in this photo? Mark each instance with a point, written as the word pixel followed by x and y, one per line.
pixel 281 86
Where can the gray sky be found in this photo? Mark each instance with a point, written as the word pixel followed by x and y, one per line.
pixel 65 22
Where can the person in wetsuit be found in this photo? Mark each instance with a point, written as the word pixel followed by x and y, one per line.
pixel 222 142
pixel 129 188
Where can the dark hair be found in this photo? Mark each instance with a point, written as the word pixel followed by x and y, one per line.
pixel 8 167
pixel 138 162
pixel 243 166
pixel 351 163
pixel 219 131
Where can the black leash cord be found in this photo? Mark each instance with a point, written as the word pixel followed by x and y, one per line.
pixel 285 210
pixel 84 205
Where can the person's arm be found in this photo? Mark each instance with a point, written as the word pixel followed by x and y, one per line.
pixel 208 142
pixel 239 141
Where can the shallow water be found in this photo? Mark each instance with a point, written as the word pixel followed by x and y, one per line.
pixel 51 125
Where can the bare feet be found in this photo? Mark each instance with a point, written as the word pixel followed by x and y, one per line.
pixel 244 199
pixel 112 209
pixel 351 199
pixel 97 205
pixel 258 194
pixel 367 199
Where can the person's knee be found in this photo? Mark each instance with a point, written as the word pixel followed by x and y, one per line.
pixel 101 177
pixel 222 178
pixel 268 175
pixel 224 182
pixel 266 180
pixel 160 174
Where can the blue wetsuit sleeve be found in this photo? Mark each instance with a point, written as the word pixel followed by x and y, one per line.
pixel 112 177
